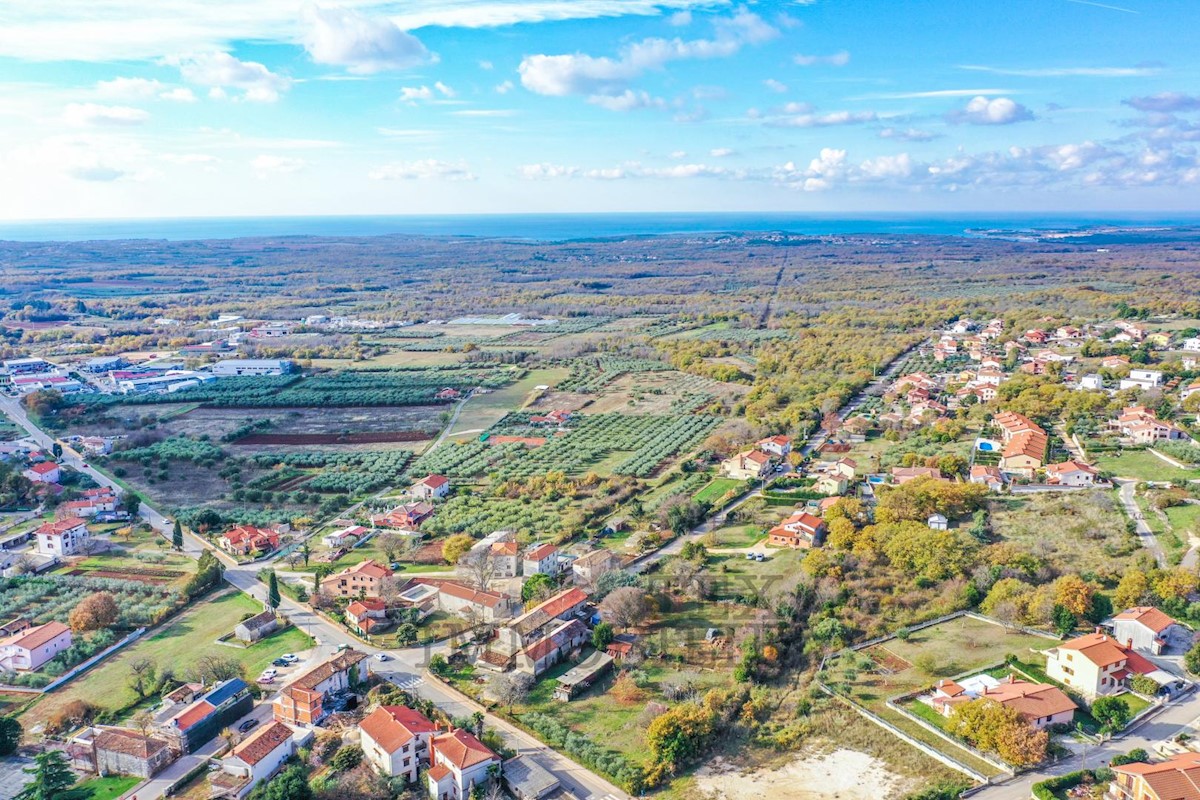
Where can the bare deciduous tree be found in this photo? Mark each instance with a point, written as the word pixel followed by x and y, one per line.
pixel 625 607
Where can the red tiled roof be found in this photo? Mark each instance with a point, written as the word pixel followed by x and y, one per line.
pixel 439 771
pixel 44 468
pixel 1177 778
pixel 474 596
pixel 360 607
pixel 562 602
pixel 35 637
pixel 391 726
pixel 435 481
pixel 59 527
pixel 193 714
pixel 1149 616
pixel 1070 466
pixel 462 749
pixel 540 552
pixel 263 743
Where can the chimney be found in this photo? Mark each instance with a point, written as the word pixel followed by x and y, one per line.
pixel 1129 643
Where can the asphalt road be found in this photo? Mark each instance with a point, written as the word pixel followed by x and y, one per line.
pixel 1147 537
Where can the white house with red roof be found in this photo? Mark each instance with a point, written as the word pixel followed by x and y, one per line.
pixel 431 487
pixel 541 558
pixel 243 540
pixel 457 763
pixel 1096 664
pixel 45 472
pixel 778 446
pixel 989 476
pixel 1150 630
pixel 1039 704
pixel 362 580
pixel 748 466
pixel 255 760
pixel 30 648
pixel 367 615
pixel 406 517
pixel 1071 473
pixel 344 537
pixel 395 740
pixel 801 530
pixel 468 602
pixel 64 537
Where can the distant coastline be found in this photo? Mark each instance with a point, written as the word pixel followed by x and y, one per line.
pixel 558 227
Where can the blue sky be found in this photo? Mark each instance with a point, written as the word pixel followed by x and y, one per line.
pixel 124 108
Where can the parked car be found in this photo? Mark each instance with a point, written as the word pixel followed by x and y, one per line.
pixel 749 556
pixel 270 672
pixel 247 725
pixel 266 678
pixel 382 657
pixel 279 662
pixel 290 658
pixel 760 556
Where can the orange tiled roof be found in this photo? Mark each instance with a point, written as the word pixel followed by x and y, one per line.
pixel 263 743
pixel 462 749
pixel 1149 616
pixel 392 726
pixel 35 637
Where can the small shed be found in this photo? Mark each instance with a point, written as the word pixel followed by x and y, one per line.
pixel 582 676
pixel 256 627
pixel 938 522
pixel 527 779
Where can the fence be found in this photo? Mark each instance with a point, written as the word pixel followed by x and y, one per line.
pixel 91 662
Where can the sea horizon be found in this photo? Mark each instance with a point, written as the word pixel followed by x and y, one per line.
pixel 572 226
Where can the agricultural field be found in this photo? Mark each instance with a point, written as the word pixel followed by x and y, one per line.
pixel 1083 531
pixel 179 645
pixel 1142 465
pixel 43 598
pixel 484 410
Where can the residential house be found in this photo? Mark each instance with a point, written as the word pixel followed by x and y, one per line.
pixel 830 485
pixel 555 642
pixel 255 760
pixel 1149 630
pixel 1071 473
pixel 1091 381
pixel 902 475
pixel 1025 452
pixel 844 467
pixel 1177 778
pixel 245 540
pixel 991 477
pixel 1142 379
pixel 581 676
pixel 259 626
pixel 778 446
pixel 472 604
pixel 506 558
pixel 28 649
pixel 364 579
pixel 1039 704
pixel 406 517
pixel 556 417
pixel 45 472
pixel 801 530
pixel 1190 390
pixel 1192 344
pixel 395 741
pixel 537 624
pixel 1011 424
pixel 107 750
pixel 304 701
pixel 747 466
pixel 209 714
pixel 1114 362
pixel 367 616
pixel 541 558
pixel 431 487
pixel 94 501
pixel 1143 426
pixel 457 763
pixel 938 522
pixel 64 537
pixel 344 537
pixel 1095 664
pixel 588 568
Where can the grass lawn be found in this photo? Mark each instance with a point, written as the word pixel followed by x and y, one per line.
pixel 484 410
pixel 182 642
pixel 716 489
pixel 1184 519
pixel 1090 533
pixel 1144 466
pixel 736 535
pixel 110 787
pixel 734 576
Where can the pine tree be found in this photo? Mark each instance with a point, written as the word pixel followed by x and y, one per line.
pixel 177 537
pixel 273 598
pixel 52 779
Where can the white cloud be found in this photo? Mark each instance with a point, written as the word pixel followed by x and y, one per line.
pixel 722 152
pixel 937 93
pixel 1165 102
pixel 580 74
pixel 424 169
pixel 775 86
pixel 415 94
pixel 487 65
pixel 542 172
pixel 838 59
pixel 680 19
pixel 504 88
pixel 139 89
pixel 1067 72
pixel 677 154
pixel 89 114
pixel 116 30
pixel 444 90
pixel 907 135
pixel 180 94
pixel 801 115
pixel 364 45
pixel 266 164
pixel 997 111
pixel 881 167
pixel 222 72
pixel 628 100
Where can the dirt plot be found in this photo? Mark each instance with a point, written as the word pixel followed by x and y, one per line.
pixel 123 575
pixel 886 659
pixel 843 774
pixel 335 438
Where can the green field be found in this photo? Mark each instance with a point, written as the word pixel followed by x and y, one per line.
pixel 1144 466
pixel 178 645
pixel 485 410
pixel 111 787
pixel 1184 520
pixel 716 489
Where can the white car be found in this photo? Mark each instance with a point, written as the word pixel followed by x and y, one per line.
pixel 266 678
pixel 270 672
pixel 382 657
pixel 292 657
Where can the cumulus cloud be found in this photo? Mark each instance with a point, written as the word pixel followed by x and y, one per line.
pixel 722 152
pixel 221 72
pixel 775 86
pixel 90 114
pixel 138 89
pixel 424 169
pixel 415 94
pixel 581 74
pixel 838 59
pixel 802 115
pixel 627 100
pixel 543 172
pixel 1165 102
pixel 364 45
pixel 680 19
pixel 995 111
pixel 907 134
pixel 505 87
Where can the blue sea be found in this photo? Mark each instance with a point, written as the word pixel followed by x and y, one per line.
pixel 558 227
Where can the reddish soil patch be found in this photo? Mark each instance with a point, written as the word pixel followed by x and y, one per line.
pixel 528 441
pixel 430 553
pixel 886 659
pixel 382 437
